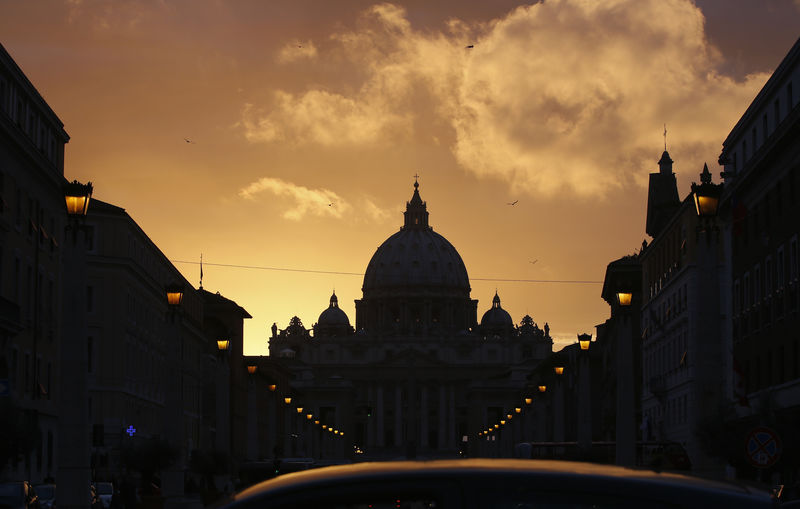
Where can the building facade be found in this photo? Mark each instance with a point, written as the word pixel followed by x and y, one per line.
pixel 32 220
pixel 683 357
pixel 418 374
pixel 760 207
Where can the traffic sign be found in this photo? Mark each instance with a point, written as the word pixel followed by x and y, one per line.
pixel 763 447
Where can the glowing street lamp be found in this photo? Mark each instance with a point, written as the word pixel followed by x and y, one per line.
pixel 223 345
pixel 77 197
pixel 559 370
pixel 299 410
pixel 272 387
pixel 287 400
pixel 624 298
pixel 584 340
pixel 252 368
pixel 528 401
pixel 706 195
pixel 174 295
pixel 542 388
pixel 517 410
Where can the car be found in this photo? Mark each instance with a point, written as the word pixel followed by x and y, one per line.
pixel 47 495
pixel 18 495
pixel 105 491
pixel 492 483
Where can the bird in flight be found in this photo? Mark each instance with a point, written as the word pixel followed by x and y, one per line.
pixel 533 262
pixel 187 140
pixel 470 46
pixel 512 203
pixel 330 205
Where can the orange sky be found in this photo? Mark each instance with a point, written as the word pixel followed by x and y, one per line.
pixel 295 105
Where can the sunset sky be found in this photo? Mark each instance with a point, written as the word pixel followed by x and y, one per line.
pixel 295 105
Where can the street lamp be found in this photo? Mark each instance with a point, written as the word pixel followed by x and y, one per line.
pixel 624 298
pixel 517 410
pixel 309 416
pixel 287 400
pixel 584 340
pixel 542 388
pixel 528 401
pixel 223 345
pixel 252 368
pixel 706 195
pixel 559 370
pixel 272 387
pixel 174 295
pixel 299 410
pixel 77 196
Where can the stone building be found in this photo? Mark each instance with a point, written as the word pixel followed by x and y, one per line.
pixel 418 375
pixel 759 211
pixel 32 220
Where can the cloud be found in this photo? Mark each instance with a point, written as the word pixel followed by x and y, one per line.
pixel 563 95
pixel 317 202
pixel 294 51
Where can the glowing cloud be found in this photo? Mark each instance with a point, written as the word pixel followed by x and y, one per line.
pixel 317 202
pixel 559 95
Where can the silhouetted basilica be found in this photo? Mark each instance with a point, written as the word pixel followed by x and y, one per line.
pixel 418 374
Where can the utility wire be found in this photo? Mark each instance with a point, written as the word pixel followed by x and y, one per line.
pixel 309 271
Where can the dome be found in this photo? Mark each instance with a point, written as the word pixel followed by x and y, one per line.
pixel 496 316
pixel 333 316
pixel 416 256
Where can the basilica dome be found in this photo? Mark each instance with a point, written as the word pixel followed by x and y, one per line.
pixel 496 316
pixel 416 257
pixel 333 315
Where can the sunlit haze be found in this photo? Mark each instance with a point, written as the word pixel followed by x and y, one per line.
pixel 281 139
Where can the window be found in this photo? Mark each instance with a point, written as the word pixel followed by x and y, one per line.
pixel 768 276
pixel 748 296
pixel 89 353
pixel 89 299
pixel 757 283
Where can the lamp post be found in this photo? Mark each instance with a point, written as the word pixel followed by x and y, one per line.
pixel 253 448
pixel 172 477
pixel 710 359
pixel 74 449
pixel 584 395
pixel 223 389
pixel 626 414
pixel 558 409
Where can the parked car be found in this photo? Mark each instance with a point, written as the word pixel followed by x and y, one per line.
pixel 18 495
pixel 492 483
pixel 105 491
pixel 47 495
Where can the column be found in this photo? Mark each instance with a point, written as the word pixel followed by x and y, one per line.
pixel 584 403
pixel 423 417
pixel 451 411
pixel 626 425
pixel 398 415
pixel 371 421
pixel 251 452
pixel 442 412
pixel 74 448
pixel 379 413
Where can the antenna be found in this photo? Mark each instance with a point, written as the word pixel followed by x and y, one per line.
pixel 201 271
pixel 665 137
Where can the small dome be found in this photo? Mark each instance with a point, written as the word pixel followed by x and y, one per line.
pixel 333 316
pixel 496 316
